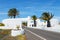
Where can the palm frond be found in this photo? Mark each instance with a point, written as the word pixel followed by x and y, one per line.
pixel 46 16
pixel 34 17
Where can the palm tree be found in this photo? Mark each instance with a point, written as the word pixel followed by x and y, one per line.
pixel 13 12
pixel 47 16
pixel 34 18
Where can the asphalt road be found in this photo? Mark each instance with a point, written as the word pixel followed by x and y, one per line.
pixel 38 34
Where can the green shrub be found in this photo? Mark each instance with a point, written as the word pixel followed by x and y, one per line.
pixel 1 24
pixel 24 23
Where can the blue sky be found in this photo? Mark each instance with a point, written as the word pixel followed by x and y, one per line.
pixel 30 7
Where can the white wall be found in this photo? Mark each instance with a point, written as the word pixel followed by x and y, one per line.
pixel 54 22
pixel 12 23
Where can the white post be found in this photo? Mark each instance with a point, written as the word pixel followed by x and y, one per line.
pixel 20 25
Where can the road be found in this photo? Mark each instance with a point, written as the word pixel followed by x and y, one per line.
pixel 38 34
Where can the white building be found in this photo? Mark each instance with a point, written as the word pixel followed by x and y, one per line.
pixel 14 22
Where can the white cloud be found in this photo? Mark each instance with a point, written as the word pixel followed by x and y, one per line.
pixel 57 17
pixel 25 12
pixel 2 13
pixel 28 7
pixel 49 5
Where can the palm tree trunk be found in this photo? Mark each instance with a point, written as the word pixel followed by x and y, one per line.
pixel 48 23
pixel 14 16
pixel 34 23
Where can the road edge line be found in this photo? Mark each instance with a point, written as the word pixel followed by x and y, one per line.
pixel 36 35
